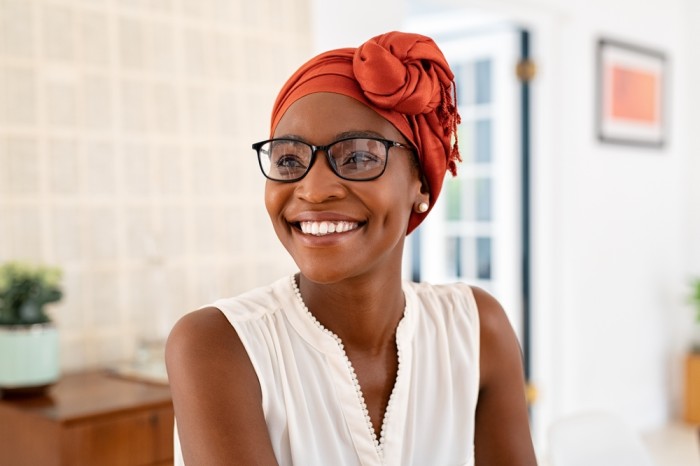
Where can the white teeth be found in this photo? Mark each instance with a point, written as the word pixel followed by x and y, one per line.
pixel 326 228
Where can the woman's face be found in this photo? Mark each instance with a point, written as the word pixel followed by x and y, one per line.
pixel 370 217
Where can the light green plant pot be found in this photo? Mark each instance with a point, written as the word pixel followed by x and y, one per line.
pixel 29 361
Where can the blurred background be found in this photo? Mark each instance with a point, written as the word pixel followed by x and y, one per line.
pixel 125 159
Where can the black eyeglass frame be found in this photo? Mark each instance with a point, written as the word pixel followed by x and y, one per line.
pixel 388 143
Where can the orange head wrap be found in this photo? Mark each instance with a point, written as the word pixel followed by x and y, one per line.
pixel 404 78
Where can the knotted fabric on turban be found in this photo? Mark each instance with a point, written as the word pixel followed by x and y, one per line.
pixel 405 78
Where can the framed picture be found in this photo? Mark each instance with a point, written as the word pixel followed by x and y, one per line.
pixel 631 94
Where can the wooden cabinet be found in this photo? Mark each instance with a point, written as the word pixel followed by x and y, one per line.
pixel 692 388
pixel 89 419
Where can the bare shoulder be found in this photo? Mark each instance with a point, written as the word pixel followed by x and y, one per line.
pixel 502 434
pixel 497 336
pixel 203 342
pixel 492 316
pixel 216 393
pixel 199 333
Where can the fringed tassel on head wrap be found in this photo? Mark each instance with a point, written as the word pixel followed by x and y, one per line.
pixel 451 119
pixel 406 79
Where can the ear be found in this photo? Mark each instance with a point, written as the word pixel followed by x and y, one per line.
pixel 424 185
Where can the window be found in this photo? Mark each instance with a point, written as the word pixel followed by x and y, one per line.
pixel 474 233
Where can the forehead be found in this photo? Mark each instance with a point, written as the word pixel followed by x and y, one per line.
pixel 320 117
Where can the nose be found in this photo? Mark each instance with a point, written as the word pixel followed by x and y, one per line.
pixel 320 183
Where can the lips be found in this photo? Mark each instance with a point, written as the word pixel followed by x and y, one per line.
pixel 323 228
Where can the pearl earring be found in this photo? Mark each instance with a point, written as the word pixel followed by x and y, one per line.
pixel 422 207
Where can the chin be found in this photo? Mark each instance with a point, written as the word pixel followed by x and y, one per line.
pixel 322 275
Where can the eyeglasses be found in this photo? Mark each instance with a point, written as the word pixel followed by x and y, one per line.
pixel 355 159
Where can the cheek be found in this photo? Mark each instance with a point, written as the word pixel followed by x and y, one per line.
pixel 274 200
pixel 408 188
pixel 401 196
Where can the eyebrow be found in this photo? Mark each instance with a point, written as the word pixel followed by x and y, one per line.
pixel 359 134
pixel 343 135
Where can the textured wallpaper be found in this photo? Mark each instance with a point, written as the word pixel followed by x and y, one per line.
pixel 125 132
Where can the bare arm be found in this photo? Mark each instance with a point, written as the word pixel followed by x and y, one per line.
pixel 216 394
pixel 502 435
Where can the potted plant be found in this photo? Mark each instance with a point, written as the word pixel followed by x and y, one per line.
pixel 28 339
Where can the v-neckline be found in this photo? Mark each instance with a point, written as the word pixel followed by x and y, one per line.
pixel 351 397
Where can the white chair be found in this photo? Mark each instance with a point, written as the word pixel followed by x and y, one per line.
pixel 595 439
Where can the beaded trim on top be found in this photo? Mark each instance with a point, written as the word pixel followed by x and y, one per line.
pixel 378 442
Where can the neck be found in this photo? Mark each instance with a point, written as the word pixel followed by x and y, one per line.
pixel 363 312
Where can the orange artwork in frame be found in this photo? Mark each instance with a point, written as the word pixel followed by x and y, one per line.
pixel 631 83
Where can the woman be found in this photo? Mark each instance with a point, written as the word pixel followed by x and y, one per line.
pixel 344 363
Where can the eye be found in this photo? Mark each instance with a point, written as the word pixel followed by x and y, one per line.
pixel 288 159
pixel 359 160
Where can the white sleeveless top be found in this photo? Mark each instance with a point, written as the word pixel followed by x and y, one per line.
pixel 312 402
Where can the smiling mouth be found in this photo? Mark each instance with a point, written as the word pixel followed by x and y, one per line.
pixel 326 228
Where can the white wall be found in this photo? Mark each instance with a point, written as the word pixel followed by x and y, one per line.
pixel 620 227
pixel 338 24
pixel 693 118
pixel 613 225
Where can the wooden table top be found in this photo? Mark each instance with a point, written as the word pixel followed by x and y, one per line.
pixel 77 396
